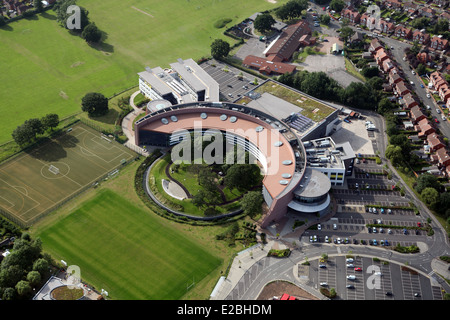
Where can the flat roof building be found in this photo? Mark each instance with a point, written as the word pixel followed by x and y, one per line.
pixel 185 82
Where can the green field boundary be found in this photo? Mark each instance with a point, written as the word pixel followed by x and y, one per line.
pixel 28 223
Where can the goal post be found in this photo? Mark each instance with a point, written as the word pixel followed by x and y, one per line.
pixel 53 169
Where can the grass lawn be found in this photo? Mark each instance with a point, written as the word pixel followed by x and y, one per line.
pixel 46 69
pixel 125 250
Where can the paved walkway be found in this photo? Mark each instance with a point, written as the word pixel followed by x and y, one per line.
pixel 127 127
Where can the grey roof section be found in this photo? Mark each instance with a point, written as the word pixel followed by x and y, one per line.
pixel 346 149
pixel 313 184
pixel 274 106
pixel 198 78
pixel 158 83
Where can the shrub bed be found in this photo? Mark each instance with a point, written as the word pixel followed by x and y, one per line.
pixel 279 253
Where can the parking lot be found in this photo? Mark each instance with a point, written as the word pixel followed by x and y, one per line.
pixel 363 278
pixel 233 83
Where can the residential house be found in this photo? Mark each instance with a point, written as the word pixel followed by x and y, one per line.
pixel 416 114
pixel 392 4
pixel 357 38
pixel 401 89
pixel 394 77
pixel 385 27
pixel 443 157
pixel 387 65
pixel 444 92
pixel 439 43
pixel 435 142
pixel 423 57
pixel 441 3
pixel 410 8
pixel 426 12
pixel 403 32
pixel 421 36
pixel 437 80
pixel 409 101
pixel 375 45
pixel 424 128
pixel 380 56
pixel 351 15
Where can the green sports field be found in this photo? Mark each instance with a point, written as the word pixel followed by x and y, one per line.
pixel 46 69
pixel 128 253
pixel 41 179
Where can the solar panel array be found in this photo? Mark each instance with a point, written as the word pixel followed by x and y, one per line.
pixel 300 122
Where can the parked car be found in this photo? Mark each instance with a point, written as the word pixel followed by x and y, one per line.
pixel 351 277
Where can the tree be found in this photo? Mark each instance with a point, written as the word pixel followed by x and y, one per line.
pixel 34 278
pixel 421 69
pixel 50 121
pixel 62 16
pixel 91 33
pixel 347 33
pixel 426 180
pixel 242 176
pixel 251 203
pixel 430 196
pixel 369 72
pixel 2 21
pixel 95 104
pixel 35 125
pixel 292 9
pixel 337 5
pixel 41 266
pixel 23 135
pixel 220 49
pixel 23 288
pixel 264 22
pixel 38 5
pixel 325 19
pixel 394 154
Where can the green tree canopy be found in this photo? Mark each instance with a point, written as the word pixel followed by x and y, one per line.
pixel 337 5
pixel 430 196
pixel 50 121
pixel 242 176
pixel 264 22
pixel 91 33
pixel 95 104
pixel 251 203
pixel 426 180
pixel 220 49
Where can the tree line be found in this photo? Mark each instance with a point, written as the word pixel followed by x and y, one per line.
pixel 24 269
pixel 88 30
pixel 321 86
pixel 27 133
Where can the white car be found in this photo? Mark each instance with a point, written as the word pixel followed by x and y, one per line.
pixel 438 111
pixel 351 277
pixel 428 108
pixel 349 260
pixel 319 227
pixel 349 265
pixel 413 72
pixel 323 284
pixel 334 226
pixel 444 118
pixel 428 96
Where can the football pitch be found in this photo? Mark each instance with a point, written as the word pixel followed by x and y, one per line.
pixel 63 67
pixel 41 179
pixel 125 250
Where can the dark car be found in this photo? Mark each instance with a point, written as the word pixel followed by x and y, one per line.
pixel 388 293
